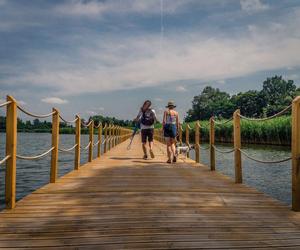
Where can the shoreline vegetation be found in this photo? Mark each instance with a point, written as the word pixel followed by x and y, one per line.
pixel 272 132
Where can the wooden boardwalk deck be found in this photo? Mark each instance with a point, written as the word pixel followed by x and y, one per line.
pixel 123 202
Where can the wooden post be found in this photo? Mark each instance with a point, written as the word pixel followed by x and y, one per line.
pixel 91 139
pixel 77 141
pixel 113 134
pixel 187 138
pixel 105 139
pixel 212 144
pixel 237 146
pixel 109 136
pixel 180 134
pixel 100 140
pixel 11 150
pixel 55 143
pixel 296 154
pixel 197 141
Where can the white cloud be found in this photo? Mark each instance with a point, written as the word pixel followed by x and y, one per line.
pixel 54 100
pixel 252 6
pixel 99 8
pixel 113 62
pixel 158 99
pixel 91 112
pixel 180 89
pixel 221 81
pixel 101 108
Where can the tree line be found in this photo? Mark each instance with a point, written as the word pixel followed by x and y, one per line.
pixel 275 95
pixel 41 126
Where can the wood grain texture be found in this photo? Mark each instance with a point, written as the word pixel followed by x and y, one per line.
pixel 120 201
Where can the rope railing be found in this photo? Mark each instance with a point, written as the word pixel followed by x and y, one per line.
pixel 264 161
pixel 267 118
pixel 68 121
pixel 87 146
pixel 67 149
pixel 86 124
pixel 223 151
pixel 4 159
pixel 222 122
pixel 35 157
pixel 116 135
pixel 204 148
pixel 35 115
pixel 5 104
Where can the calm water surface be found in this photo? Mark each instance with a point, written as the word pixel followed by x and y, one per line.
pixel 274 180
pixel 32 174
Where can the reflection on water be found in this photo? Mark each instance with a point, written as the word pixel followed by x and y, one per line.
pixel 273 179
pixel 32 174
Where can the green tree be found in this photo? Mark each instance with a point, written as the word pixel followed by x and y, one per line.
pixel 251 103
pixel 278 93
pixel 211 102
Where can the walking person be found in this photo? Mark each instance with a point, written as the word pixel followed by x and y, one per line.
pixel 147 119
pixel 171 126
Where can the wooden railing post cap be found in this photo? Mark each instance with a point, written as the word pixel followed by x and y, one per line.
pixel 296 99
pixel 55 110
pixel 11 98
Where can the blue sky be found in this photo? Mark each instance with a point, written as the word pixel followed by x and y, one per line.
pixel 106 57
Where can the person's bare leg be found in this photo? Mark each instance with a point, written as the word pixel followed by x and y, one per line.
pixel 169 150
pixel 151 149
pixel 173 149
pixel 144 150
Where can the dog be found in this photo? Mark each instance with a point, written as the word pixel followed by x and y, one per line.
pixel 183 149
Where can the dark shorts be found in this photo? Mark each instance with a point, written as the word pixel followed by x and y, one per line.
pixel 147 133
pixel 170 131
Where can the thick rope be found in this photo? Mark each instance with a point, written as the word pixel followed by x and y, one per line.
pixel 266 118
pixel 66 121
pixel 98 126
pixel 86 124
pixel 4 159
pixel 5 103
pixel 35 115
pixel 204 148
pixel 68 149
pixel 223 151
pixel 262 161
pixel 87 146
pixel 223 122
pixel 34 157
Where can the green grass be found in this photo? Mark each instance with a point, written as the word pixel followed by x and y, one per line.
pixel 276 131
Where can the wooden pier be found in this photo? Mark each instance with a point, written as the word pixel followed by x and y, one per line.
pixel 120 201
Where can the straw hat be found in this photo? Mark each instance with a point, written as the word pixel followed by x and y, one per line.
pixel 171 104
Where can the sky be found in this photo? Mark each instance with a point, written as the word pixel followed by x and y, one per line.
pixel 106 57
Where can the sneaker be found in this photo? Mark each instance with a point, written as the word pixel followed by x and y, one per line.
pixel 151 153
pixel 169 161
pixel 145 157
pixel 174 159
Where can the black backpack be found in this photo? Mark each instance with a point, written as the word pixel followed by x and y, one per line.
pixel 148 118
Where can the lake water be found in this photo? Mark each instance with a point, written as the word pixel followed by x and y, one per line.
pixel 273 179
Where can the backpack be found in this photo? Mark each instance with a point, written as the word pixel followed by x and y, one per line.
pixel 148 118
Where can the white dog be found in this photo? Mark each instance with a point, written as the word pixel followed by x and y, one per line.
pixel 183 149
